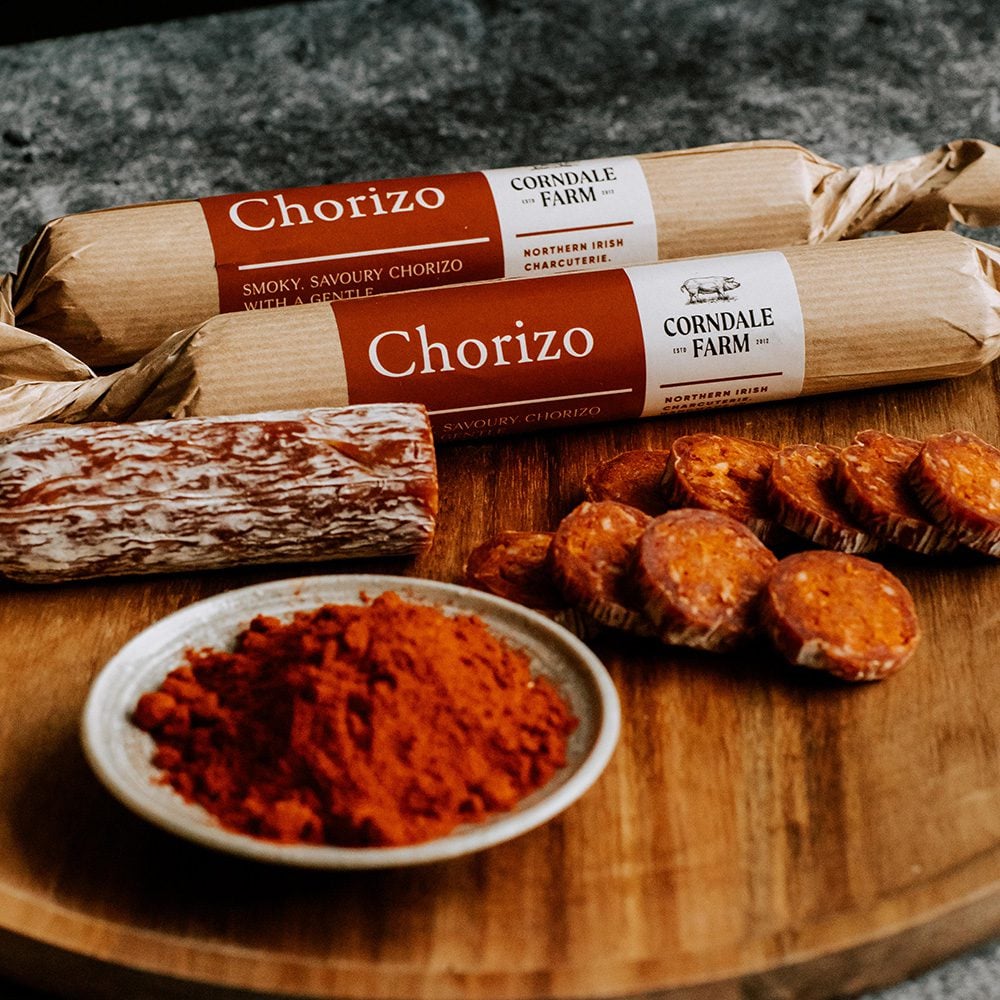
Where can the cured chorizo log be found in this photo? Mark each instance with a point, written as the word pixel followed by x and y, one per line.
pixel 700 574
pixel 840 613
pixel 109 285
pixel 873 479
pixel 199 493
pixel 957 478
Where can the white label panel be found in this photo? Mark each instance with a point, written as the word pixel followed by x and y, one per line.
pixel 562 217
pixel 719 331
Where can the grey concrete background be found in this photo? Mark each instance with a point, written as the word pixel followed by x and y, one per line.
pixel 297 94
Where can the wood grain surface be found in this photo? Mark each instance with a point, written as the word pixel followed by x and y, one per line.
pixel 760 832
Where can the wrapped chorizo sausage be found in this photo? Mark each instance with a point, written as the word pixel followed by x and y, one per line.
pixel 200 493
pixel 109 285
pixel 513 356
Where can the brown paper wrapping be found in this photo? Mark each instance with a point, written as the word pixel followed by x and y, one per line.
pixel 110 285
pixel 877 312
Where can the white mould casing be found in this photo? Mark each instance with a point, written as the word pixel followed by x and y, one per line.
pixel 199 493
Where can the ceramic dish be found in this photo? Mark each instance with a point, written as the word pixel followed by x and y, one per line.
pixel 120 753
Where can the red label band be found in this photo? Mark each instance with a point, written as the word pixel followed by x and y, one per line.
pixel 501 357
pixel 347 241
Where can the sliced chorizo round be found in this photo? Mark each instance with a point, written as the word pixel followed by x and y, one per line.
pixel 956 477
pixel 723 473
pixel 873 479
pixel 839 613
pixel 515 565
pixel 700 574
pixel 632 478
pixel 591 559
pixel 803 494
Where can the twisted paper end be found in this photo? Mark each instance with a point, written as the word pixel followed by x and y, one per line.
pixel 958 182
pixel 41 382
pixel 7 299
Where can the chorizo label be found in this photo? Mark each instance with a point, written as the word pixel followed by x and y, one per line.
pixel 345 241
pixel 501 357
pixel 348 241
pixel 574 216
pixel 719 331
pixel 504 357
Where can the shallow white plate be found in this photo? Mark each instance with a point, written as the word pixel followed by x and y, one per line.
pixel 120 753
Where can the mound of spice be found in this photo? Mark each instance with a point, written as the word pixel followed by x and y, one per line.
pixel 385 723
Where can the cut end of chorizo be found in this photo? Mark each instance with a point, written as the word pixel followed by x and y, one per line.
pixel 700 574
pixel 956 477
pixel 840 613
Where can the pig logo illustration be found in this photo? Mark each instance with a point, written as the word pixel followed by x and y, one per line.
pixel 711 288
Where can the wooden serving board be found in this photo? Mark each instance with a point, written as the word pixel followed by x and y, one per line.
pixel 760 832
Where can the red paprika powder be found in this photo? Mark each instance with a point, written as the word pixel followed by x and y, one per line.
pixel 384 723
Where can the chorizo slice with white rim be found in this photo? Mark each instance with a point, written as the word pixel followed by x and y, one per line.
pixel 802 491
pixel 700 574
pixel 723 473
pixel 632 478
pixel 956 476
pixel 591 559
pixel 514 565
pixel 875 487
pixel 840 613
